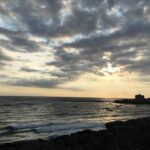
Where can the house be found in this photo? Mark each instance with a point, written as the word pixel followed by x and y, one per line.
pixel 139 97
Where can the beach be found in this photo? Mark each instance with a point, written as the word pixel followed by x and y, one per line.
pixel 119 135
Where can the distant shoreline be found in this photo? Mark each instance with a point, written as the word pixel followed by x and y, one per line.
pixel 64 99
pixel 76 97
pixel 133 101
pixel 131 134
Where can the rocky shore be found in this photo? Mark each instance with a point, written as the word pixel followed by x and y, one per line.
pixel 133 101
pixel 139 99
pixel 128 135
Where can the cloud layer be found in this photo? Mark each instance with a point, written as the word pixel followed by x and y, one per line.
pixel 46 43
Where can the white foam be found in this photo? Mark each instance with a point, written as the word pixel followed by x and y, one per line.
pixel 69 126
pixel 23 126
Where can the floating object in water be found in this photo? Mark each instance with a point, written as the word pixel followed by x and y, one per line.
pixel 75 106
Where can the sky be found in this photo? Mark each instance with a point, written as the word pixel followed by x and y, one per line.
pixel 83 48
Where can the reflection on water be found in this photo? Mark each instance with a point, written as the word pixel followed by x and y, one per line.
pixel 59 113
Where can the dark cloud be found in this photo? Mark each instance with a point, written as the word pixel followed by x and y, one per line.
pixel 25 69
pixel 25 44
pixel 20 45
pixel 43 83
pixel 1 65
pixel 96 27
pixel 73 65
pixel 54 6
pixel 120 44
pixel 81 21
pixel 4 57
pixel 141 66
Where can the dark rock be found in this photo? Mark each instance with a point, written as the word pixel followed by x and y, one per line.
pixel 139 99
pixel 133 101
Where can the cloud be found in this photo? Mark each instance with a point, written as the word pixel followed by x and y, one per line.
pixel 25 69
pixel 25 44
pixel 43 83
pixel 4 57
pixel 74 37
pixel 124 45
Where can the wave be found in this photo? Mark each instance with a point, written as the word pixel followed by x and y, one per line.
pixel 24 126
pixel 69 126
pixel 54 128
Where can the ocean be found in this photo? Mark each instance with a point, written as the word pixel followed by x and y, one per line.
pixel 26 118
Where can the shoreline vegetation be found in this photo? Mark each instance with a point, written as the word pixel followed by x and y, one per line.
pixel 120 135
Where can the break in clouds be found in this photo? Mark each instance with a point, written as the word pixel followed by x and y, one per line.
pixel 46 43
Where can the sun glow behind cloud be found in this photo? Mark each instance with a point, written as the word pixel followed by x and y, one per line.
pixel 109 69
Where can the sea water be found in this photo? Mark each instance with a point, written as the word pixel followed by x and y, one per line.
pixel 26 118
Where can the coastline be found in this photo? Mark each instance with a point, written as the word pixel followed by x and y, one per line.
pixel 133 101
pixel 122 135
